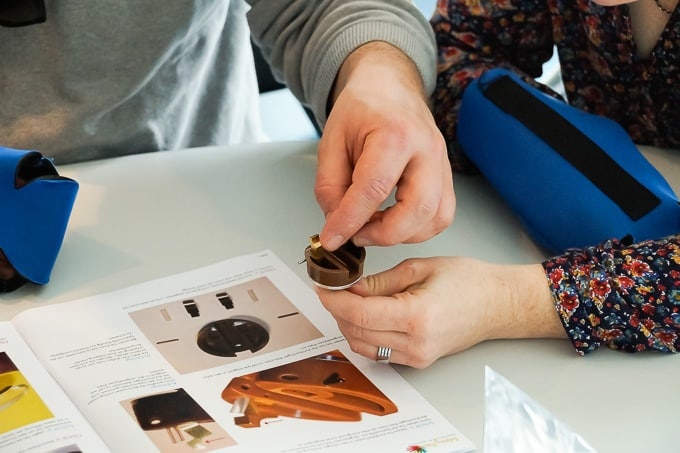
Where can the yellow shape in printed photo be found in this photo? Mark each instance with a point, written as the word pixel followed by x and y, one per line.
pixel 20 404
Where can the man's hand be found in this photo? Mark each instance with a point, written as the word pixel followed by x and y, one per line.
pixel 381 136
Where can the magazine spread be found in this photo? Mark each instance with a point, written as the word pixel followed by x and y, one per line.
pixel 239 356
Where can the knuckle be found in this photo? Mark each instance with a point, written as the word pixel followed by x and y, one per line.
pixel 421 356
pixel 445 219
pixel 378 189
pixel 319 191
pixel 356 320
pixel 387 239
pixel 427 209
pixel 363 319
pixel 353 331
pixel 413 359
pixel 323 190
pixel 444 215
pixel 355 347
pixel 418 323
pixel 421 362
pixel 408 268
pixel 375 284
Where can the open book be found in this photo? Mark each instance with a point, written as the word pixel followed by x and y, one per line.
pixel 239 356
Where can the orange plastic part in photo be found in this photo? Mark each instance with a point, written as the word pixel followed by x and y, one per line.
pixel 325 387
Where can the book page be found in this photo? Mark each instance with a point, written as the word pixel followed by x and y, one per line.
pixel 35 414
pixel 237 356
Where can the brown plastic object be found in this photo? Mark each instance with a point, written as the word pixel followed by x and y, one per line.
pixel 334 270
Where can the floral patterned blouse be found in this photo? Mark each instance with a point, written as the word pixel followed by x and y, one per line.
pixel 624 296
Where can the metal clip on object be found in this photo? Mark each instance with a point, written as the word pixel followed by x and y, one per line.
pixel 334 270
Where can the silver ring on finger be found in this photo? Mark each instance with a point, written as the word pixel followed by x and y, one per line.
pixel 384 354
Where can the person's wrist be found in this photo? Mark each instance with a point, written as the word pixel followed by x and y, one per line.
pixel 377 61
pixel 524 303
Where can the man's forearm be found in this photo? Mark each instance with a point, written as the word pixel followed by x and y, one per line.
pixel 307 42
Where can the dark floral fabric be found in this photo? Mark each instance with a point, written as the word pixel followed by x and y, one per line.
pixel 601 70
pixel 626 297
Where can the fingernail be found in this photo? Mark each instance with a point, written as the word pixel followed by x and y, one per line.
pixel 334 242
pixel 358 241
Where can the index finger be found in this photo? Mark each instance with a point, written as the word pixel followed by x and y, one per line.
pixel 333 172
pixel 373 180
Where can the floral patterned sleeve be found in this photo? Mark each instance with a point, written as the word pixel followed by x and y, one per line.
pixel 625 297
pixel 476 35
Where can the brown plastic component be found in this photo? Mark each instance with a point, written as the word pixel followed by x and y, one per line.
pixel 334 270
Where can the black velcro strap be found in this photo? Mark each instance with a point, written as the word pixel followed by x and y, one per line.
pixel 574 146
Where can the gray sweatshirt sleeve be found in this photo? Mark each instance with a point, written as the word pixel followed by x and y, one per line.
pixel 306 41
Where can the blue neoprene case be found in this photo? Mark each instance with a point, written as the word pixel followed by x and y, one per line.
pixel 35 212
pixel 573 178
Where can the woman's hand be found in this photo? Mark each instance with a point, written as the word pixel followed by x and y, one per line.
pixel 427 308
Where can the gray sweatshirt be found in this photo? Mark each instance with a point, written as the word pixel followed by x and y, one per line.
pixel 102 79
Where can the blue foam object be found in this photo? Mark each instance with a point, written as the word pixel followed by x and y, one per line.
pixel 34 215
pixel 573 178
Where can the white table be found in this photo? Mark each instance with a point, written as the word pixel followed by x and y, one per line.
pixel 147 216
